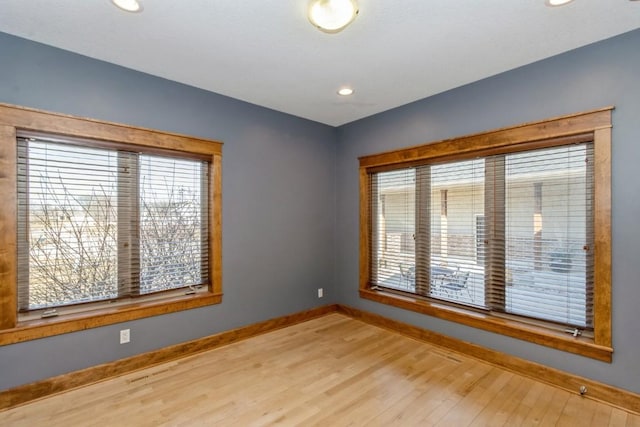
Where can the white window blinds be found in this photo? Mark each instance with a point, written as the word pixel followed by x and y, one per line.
pixel 393 231
pixel 510 233
pixel 67 197
pixel 101 223
pixel 173 239
pixel 547 230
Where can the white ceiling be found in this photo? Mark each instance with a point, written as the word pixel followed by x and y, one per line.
pixel 266 52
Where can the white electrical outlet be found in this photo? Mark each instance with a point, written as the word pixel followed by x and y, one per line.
pixel 320 293
pixel 125 336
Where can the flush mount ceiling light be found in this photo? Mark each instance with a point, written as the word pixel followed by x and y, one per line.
pixel 345 91
pixel 332 16
pixel 133 6
pixel 553 3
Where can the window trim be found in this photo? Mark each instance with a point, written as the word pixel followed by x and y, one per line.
pixel 15 119
pixel 597 125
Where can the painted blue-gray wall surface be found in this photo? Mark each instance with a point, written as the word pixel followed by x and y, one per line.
pixel 290 201
pixel 598 75
pixel 278 200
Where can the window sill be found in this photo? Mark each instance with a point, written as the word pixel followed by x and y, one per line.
pixel 41 328
pixel 536 334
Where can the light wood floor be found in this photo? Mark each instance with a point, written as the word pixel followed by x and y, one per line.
pixel 331 371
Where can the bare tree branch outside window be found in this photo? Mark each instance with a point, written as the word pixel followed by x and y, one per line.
pixel 73 247
pixel 170 219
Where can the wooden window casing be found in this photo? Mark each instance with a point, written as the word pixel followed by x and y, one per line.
pixel 592 126
pixel 15 120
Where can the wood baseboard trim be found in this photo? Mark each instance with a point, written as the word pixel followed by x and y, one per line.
pixel 29 392
pixel 623 399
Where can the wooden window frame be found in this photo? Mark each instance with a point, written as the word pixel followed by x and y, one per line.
pixel 594 124
pixel 14 119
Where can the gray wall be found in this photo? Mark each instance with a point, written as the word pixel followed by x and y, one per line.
pixel 288 182
pixel 278 200
pixel 595 76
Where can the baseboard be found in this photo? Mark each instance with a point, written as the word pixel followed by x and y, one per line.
pixel 617 397
pixel 29 392
pixel 623 399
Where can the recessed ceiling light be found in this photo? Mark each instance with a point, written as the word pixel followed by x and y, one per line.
pixel 553 3
pixel 128 5
pixel 345 91
pixel 332 16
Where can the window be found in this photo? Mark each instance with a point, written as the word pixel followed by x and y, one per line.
pixel 105 223
pixel 99 224
pixel 504 233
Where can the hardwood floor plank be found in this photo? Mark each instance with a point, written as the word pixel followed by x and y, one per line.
pixel 633 420
pixel 427 386
pixel 555 408
pixel 576 406
pixel 526 405
pixel 602 415
pixel 329 371
pixel 477 399
pixel 540 407
pixel 505 403
pixel 618 417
